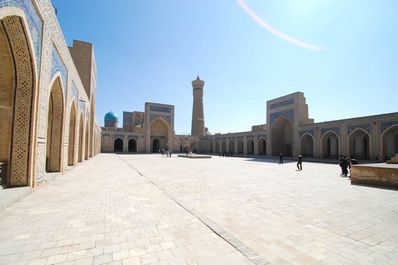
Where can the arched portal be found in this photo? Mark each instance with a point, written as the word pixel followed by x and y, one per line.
pixel 307 145
pixel 17 92
pixel 358 145
pixel 159 132
pixel 262 147
pixel 390 142
pixel 231 147
pixel 224 146
pixel 86 153
pixel 132 148
pixel 211 147
pixel 240 147
pixel 91 127
pixel 81 130
pixel 54 127
pixel 250 147
pixel 217 147
pixel 118 145
pixel 282 137
pixel 330 145
pixel 156 146
pixel 72 133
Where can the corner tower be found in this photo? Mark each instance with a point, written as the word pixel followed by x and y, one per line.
pixel 198 119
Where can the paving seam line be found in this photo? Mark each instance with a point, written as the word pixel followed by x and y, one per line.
pixel 245 250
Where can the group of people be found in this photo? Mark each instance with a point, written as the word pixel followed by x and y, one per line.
pixel 224 154
pixel 166 152
pixel 299 161
pixel 345 165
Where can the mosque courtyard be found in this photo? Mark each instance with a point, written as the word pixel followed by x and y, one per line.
pixel 149 209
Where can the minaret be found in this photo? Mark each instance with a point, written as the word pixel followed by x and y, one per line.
pixel 198 119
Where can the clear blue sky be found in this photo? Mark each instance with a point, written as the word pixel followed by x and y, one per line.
pixel 151 50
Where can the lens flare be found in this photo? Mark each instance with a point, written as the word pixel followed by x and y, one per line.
pixel 275 31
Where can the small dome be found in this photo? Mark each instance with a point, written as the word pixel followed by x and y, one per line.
pixel 110 116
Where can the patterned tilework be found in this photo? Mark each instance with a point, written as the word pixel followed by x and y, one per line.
pixel 366 127
pixel 57 65
pixel 282 103
pixel 34 21
pixel 82 106
pixel 75 93
pixel 310 131
pixel 387 124
pixel 165 117
pixel 334 129
pixel 160 109
pixel 288 114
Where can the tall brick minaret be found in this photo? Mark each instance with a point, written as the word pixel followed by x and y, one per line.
pixel 198 119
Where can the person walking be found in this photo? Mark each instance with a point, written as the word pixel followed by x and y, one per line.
pixel 300 162
pixel 280 158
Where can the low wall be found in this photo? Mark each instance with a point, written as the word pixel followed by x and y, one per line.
pixel 381 175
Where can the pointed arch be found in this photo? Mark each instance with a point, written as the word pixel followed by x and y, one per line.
pixel 389 140
pixel 81 138
pixel 307 145
pixel 132 145
pixel 18 96
pixel 55 119
pixel 359 144
pixel 160 134
pixel 118 145
pixel 87 140
pixel 231 147
pixel 282 136
pixel 240 147
pixel 250 146
pixel 330 147
pixel 262 146
pixel 72 134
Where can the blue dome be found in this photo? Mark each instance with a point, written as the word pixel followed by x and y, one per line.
pixel 110 116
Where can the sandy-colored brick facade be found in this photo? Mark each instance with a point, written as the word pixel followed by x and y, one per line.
pixel 290 131
pixel 47 104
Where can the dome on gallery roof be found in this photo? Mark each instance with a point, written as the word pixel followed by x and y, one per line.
pixel 110 116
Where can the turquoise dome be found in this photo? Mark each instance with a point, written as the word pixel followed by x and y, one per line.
pixel 110 116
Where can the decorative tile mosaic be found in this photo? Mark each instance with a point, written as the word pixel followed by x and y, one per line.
pixel 366 127
pixel 288 114
pixel 387 124
pixel 57 65
pixel 333 129
pixel 34 21
pixel 165 117
pixel 160 109
pixel 310 131
pixel 282 103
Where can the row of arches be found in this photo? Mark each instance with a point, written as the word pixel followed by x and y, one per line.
pixel 20 135
pixel 358 143
pixel 118 144
pixel 221 147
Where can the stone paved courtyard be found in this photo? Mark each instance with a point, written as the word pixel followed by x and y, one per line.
pixel 148 209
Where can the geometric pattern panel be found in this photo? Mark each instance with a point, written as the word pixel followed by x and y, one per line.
pixel 165 117
pixel 282 103
pixel 23 98
pixel 334 129
pixel 387 124
pixel 310 131
pixel 289 114
pixel 57 65
pixel 160 109
pixel 34 22
pixel 365 127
